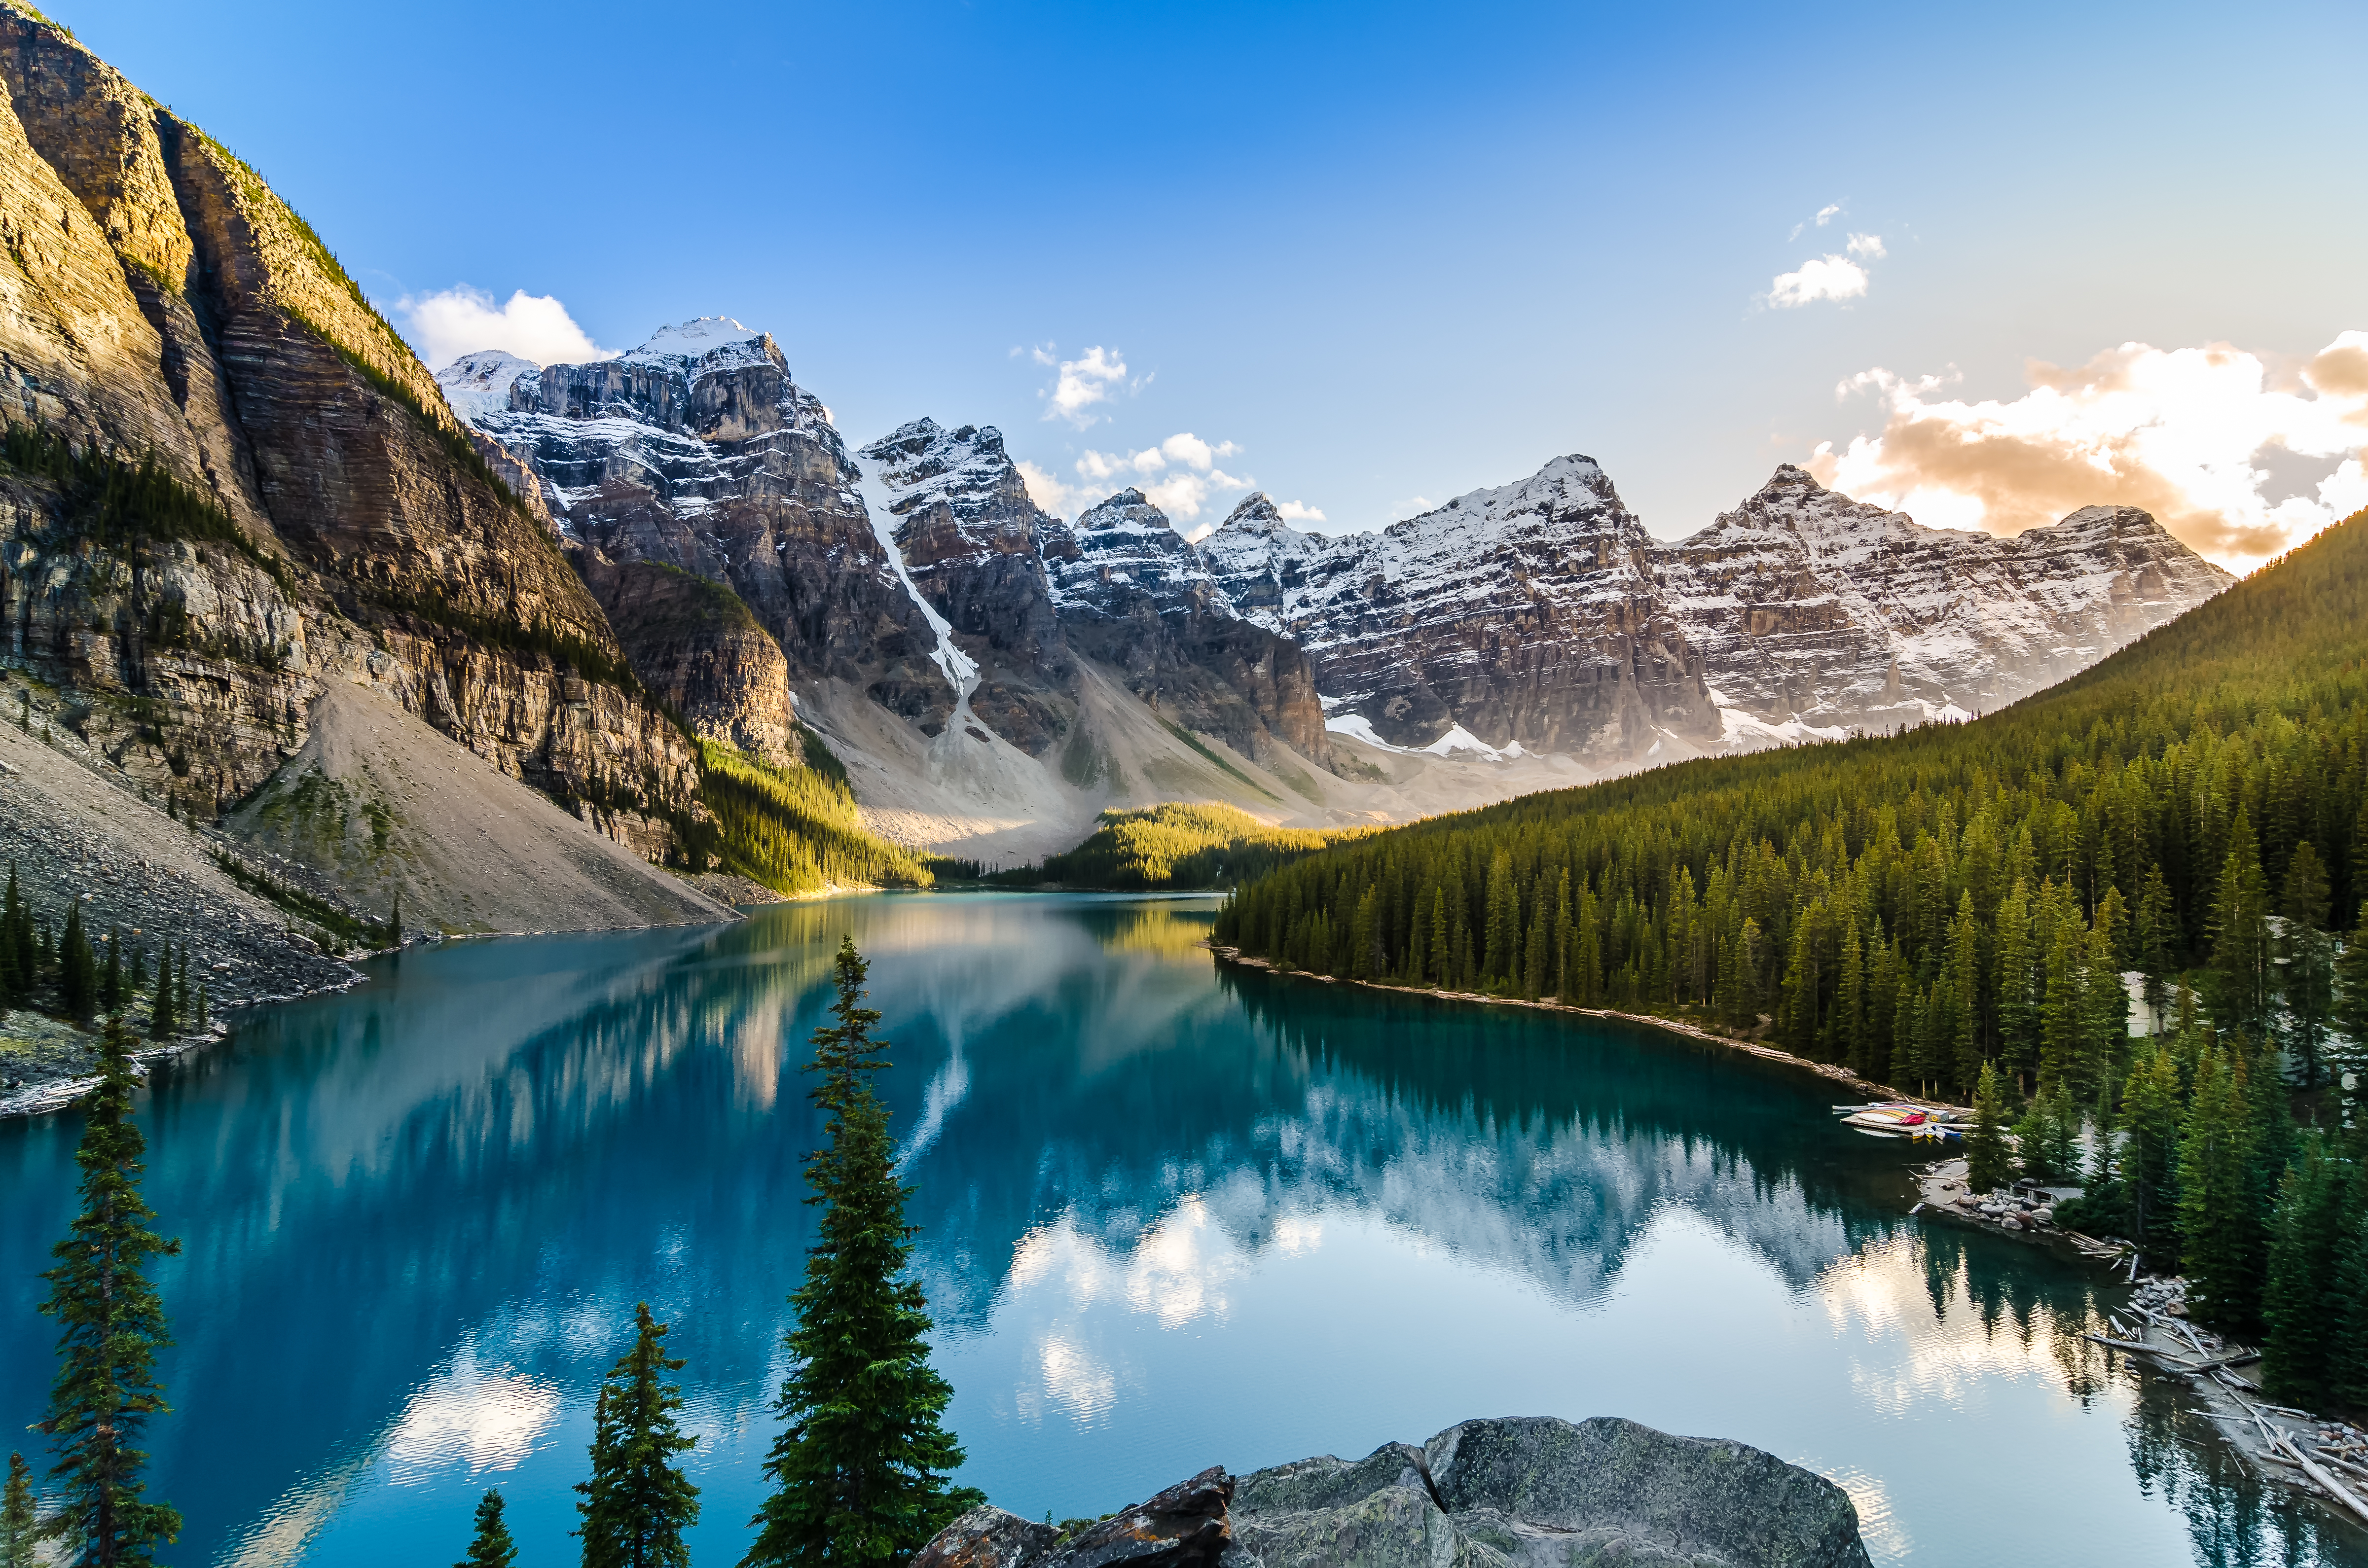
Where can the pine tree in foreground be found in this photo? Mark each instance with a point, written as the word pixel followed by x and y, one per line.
pixel 111 1325
pixel 1989 1163
pixel 16 1518
pixel 637 1504
pixel 491 1546
pixel 861 1472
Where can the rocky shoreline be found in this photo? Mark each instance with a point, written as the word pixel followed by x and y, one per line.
pixel 1532 1491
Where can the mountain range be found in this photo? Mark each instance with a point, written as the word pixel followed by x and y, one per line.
pixel 1539 621
pixel 263 571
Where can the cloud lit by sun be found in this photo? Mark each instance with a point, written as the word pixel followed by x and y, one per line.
pixel 2237 458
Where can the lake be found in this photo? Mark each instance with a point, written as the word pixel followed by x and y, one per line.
pixel 1172 1215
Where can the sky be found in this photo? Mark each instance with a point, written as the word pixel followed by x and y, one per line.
pixel 1985 264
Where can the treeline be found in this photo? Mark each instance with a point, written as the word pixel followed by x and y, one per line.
pixel 795 830
pixel 1177 847
pixel 1956 909
pixel 1917 906
pixel 57 968
pixel 119 505
pixel 2200 1164
pixel 860 1473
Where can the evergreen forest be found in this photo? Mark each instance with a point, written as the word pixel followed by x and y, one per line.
pixel 2126 900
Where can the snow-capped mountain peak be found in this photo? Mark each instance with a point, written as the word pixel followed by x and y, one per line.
pixel 480 383
pixel 718 341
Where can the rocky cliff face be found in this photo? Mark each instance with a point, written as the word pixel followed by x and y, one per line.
pixel 972 545
pixel 1534 1491
pixel 699 451
pixel 1542 615
pixel 1129 592
pixel 1525 615
pixel 1814 609
pixel 313 512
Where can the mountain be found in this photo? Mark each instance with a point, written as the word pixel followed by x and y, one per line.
pixel 697 451
pixel 1914 905
pixel 229 487
pixel 1541 615
pixel 989 676
pixel 1809 608
pixel 1525 616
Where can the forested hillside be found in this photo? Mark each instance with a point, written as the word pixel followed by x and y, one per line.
pixel 1918 904
pixel 1956 908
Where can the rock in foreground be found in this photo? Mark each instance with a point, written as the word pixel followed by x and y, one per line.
pixel 1529 1491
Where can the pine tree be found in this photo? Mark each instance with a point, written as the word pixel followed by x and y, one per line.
pixel 861 1470
pixel 23 963
pixel 18 1521
pixel 2215 1218
pixel 110 983
pixel 638 1503
pixel 2150 1158
pixel 2240 935
pixel 2018 1014
pixel 2307 983
pixel 1989 1163
pixel 111 1325
pixel 2297 1302
pixel 491 1546
pixel 181 988
pixel 2350 1012
pixel 77 970
pixel 2153 935
pixel 162 1024
pixel 2347 1357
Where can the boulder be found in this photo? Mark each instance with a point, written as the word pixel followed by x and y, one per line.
pixel 1523 1493
pixel 1547 1491
pixel 987 1537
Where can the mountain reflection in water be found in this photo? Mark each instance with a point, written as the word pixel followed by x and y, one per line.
pixel 1170 1216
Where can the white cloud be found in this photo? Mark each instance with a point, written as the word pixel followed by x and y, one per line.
pixel 1047 489
pixel 1296 512
pixel 1082 383
pixel 1178 476
pixel 462 320
pixel 1824 216
pixel 2199 436
pixel 1824 278
pixel 1867 245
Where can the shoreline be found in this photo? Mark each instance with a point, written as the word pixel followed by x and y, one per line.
pixel 1680 1027
pixel 2211 1389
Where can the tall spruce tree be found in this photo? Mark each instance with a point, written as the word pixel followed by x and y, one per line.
pixel 112 1324
pixel 111 979
pixel 2150 1158
pixel 491 1546
pixel 2216 1210
pixel 2350 1012
pixel 860 1469
pixel 638 1502
pixel 77 969
pixel 2298 1301
pixel 18 1520
pixel 1989 1163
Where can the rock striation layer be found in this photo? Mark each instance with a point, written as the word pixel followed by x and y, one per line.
pixel 308 511
pixel 1532 1491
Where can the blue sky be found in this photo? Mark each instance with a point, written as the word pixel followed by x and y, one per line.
pixel 1396 252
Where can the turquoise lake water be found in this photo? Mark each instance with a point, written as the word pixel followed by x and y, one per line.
pixel 1172 1215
